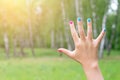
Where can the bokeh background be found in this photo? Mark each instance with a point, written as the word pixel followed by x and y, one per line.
pixel 31 31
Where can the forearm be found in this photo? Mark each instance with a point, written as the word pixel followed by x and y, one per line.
pixel 93 72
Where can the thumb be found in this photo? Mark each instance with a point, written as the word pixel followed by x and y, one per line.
pixel 65 51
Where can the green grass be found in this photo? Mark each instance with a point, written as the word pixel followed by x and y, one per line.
pixel 47 65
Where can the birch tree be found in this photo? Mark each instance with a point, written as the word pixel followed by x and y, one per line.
pixel 5 34
pixel 65 25
pixel 103 40
pixel 30 27
pixel 93 6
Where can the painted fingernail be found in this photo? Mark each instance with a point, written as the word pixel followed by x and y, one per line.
pixel 104 29
pixel 88 20
pixel 79 19
pixel 71 22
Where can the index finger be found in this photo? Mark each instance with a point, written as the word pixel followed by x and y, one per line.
pixel 73 32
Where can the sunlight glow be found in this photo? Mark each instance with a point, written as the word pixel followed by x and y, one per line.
pixel 38 10
pixel 114 6
pixel 16 11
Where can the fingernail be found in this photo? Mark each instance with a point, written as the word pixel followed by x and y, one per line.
pixel 71 22
pixel 88 20
pixel 104 29
pixel 79 19
pixel 59 50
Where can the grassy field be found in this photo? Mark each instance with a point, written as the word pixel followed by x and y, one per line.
pixel 47 65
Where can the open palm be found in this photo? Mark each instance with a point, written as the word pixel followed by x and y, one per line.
pixel 86 47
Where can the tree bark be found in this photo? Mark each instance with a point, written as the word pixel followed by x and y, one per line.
pixel 94 18
pixel 21 42
pixel 77 8
pixel 5 36
pixel 30 27
pixel 52 39
pixel 15 46
pixel 65 25
pixel 103 40
pixel 6 42
pixel 61 40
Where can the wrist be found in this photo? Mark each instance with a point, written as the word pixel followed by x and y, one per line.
pixel 92 71
pixel 88 65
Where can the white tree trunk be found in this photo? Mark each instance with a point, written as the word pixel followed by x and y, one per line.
pixel 103 40
pixel 6 42
pixel 77 11
pixel 30 26
pixel 21 42
pixel 65 24
pixel 14 46
pixel 61 40
pixel 77 8
pixel 52 39
pixel 94 18
pixel 5 36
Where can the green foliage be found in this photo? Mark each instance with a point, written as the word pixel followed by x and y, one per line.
pixel 118 27
pixel 52 67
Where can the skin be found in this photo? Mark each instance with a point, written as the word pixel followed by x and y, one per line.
pixel 86 49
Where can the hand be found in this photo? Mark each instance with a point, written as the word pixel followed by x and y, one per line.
pixel 86 47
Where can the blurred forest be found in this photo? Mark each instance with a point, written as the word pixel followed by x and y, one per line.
pixel 44 23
